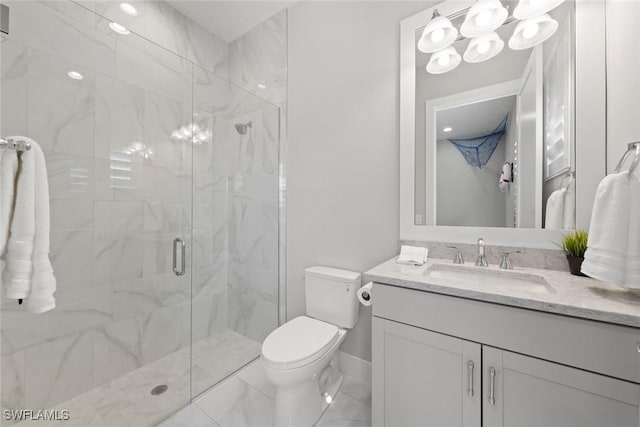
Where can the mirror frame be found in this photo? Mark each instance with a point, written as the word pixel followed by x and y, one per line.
pixel 589 128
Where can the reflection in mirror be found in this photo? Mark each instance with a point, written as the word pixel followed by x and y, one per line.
pixel 473 143
pixel 494 141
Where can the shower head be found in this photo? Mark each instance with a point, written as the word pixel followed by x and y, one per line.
pixel 242 128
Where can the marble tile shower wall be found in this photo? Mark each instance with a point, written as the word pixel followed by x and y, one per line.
pixel 113 211
pixel 258 64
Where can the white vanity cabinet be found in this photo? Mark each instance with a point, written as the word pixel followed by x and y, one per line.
pixel 529 392
pixel 530 368
pixel 427 376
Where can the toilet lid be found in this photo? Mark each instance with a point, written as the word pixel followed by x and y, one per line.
pixel 298 342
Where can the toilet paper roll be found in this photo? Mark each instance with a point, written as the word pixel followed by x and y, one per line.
pixel 365 295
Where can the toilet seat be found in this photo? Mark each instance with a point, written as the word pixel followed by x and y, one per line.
pixel 298 342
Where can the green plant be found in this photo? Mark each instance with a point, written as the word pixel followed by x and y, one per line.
pixel 575 243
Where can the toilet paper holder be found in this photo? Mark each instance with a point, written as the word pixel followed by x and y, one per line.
pixel 364 294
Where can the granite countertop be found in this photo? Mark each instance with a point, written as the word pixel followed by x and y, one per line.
pixel 575 296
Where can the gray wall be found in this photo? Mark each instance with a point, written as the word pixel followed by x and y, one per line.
pixel 623 86
pixel 342 163
pixel 467 195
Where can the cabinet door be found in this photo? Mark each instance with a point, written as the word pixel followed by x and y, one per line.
pixel 421 378
pixel 521 391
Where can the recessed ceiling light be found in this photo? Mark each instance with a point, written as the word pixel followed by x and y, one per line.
pixel 261 86
pixel 75 75
pixel 128 9
pixel 120 29
pixel 447 129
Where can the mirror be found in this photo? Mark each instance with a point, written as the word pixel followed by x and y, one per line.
pixel 585 123
pixel 494 140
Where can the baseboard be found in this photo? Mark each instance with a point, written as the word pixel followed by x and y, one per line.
pixel 355 367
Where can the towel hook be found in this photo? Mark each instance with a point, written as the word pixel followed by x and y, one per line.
pixel 632 146
pixel 15 145
pixel 571 175
pixel 636 158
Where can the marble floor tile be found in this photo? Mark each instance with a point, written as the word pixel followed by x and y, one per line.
pixel 234 403
pixel 346 411
pixel 255 376
pixel 191 416
pixel 358 390
pixel 247 399
pixel 127 401
pixel 244 399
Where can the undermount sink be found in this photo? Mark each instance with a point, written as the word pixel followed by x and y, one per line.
pixel 488 278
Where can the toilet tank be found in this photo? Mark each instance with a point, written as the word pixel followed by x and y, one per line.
pixel 331 295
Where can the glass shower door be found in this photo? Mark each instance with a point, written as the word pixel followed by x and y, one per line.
pixel 235 228
pixel 113 115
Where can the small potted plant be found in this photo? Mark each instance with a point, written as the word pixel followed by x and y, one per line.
pixel 575 245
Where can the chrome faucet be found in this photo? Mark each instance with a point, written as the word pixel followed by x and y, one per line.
pixel 505 263
pixel 457 259
pixel 481 260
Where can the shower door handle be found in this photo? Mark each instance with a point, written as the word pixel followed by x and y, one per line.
pixel 179 242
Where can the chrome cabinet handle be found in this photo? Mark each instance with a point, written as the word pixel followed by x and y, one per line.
pixel 178 241
pixel 470 378
pixel 492 386
pixel 638 347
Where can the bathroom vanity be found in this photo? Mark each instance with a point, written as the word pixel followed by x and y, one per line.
pixel 550 350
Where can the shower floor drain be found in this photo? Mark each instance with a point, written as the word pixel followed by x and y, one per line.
pixel 159 389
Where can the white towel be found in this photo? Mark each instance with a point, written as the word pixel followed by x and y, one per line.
pixel 569 211
pixel 554 219
pixel 606 255
pixel 8 171
pixel 28 273
pixel 43 284
pixel 632 274
pixel 505 177
pixel 412 255
pixel 19 252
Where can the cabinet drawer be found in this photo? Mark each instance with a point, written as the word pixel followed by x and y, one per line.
pixel 595 346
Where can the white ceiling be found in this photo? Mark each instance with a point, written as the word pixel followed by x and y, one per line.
pixel 229 19
pixel 473 120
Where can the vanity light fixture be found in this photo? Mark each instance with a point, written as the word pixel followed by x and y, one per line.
pixel 437 34
pixel 483 17
pixel 483 48
pixel 75 75
pixel 444 60
pixel 532 32
pixel 447 129
pixel 529 8
pixel 128 9
pixel 120 29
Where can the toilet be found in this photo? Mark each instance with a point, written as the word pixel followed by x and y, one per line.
pixel 301 357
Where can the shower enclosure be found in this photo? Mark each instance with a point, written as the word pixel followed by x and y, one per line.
pixel 143 155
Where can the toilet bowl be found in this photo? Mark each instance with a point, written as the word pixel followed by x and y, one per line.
pixel 296 372
pixel 300 357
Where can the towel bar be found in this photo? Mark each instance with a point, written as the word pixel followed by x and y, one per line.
pixel 15 145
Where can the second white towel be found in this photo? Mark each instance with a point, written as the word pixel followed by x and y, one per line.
pixel 632 273
pixel 554 220
pixel 606 256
